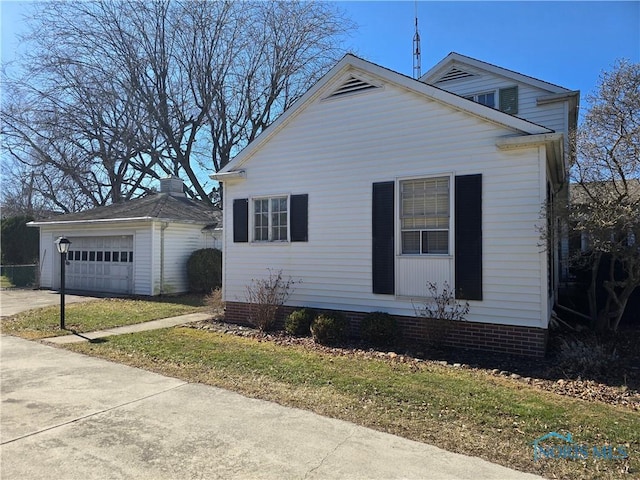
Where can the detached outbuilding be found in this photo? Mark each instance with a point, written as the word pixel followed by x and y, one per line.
pixel 136 247
pixel 374 184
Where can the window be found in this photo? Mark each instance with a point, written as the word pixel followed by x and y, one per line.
pixel 270 219
pixel 487 98
pixel 507 99
pixel 424 216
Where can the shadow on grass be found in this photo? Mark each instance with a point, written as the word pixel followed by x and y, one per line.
pixel 90 340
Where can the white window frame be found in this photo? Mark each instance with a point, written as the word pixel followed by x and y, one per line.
pixel 399 229
pixel 474 97
pixel 270 225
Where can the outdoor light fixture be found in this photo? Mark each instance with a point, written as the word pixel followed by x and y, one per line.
pixel 62 244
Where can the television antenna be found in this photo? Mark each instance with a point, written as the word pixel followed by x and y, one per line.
pixel 417 69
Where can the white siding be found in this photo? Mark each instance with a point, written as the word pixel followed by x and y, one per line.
pixel 180 240
pixel 335 149
pixel 553 115
pixel 48 255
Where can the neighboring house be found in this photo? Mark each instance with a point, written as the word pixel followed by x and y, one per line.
pixel 136 247
pixel 373 184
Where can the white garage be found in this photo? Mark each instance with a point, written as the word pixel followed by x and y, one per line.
pixel 103 264
pixel 137 247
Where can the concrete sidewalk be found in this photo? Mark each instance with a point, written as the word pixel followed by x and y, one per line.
pixel 69 416
pixel 138 327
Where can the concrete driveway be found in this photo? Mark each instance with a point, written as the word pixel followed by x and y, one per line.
pixel 68 416
pixel 15 300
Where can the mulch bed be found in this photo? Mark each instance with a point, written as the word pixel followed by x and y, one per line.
pixel 603 370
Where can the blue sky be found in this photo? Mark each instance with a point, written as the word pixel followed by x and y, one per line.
pixel 566 43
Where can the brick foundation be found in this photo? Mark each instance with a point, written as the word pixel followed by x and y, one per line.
pixel 491 337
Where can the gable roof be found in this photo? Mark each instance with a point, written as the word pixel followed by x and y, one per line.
pixel 456 62
pixel 155 206
pixel 350 64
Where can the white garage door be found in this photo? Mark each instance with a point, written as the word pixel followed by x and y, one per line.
pixel 100 264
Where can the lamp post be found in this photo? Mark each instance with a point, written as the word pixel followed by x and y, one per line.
pixel 62 244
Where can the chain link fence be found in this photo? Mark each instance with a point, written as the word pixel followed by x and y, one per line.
pixel 19 276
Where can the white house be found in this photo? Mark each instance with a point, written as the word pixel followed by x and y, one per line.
pixel 373 184
pixel 136 247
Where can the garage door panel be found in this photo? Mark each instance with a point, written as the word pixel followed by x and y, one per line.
pixel 103 264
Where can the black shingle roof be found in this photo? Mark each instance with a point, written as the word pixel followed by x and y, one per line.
pixel 162 206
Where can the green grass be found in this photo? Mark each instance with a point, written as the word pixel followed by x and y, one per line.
pixel 5 282
pixel 97 315
pixel 461 410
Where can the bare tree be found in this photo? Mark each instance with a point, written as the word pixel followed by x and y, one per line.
pixel 605 207
pixel 119 93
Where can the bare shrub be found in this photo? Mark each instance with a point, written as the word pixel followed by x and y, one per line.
pixel 585 356
pixel 265 296
pixel 440 306
pixel 214 301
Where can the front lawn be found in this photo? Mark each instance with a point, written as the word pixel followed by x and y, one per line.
pixel 97 315
pixel 463 410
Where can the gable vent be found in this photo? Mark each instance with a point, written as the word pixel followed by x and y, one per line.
pixel 454 74
pixel 352 85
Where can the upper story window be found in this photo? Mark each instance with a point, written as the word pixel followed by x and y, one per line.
pixel 270 219
pixel 507 99
pixel 487 98
pixel 424 216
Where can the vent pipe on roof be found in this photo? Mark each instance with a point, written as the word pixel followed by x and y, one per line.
pixel 172 185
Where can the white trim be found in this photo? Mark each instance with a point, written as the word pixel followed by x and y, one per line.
pixel 252 232
pixel 557 97
pixel 114 220
pixel 232 175
pixel 398 213
pixel 526 141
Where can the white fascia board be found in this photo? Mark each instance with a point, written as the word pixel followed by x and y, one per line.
pixel 558 97
pixel 108 221
pixel 524 141
pixel 454 57
pixel 352 62
pixel 230 175
pixel 99 221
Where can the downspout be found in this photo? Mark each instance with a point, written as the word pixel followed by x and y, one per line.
pixel 163 227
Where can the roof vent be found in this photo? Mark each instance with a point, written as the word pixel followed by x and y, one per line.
pixel 172 185
pixel 454 74
pixel 352 85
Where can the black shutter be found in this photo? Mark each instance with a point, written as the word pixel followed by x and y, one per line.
pixel 299 218
pixel 383 238
pixel 468 242
pixel 241 220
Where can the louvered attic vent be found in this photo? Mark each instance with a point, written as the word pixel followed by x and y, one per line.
pixel 454 74
pixel 352 85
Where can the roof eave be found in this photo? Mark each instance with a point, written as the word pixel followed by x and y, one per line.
pixel 554 142
pixel 107 221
